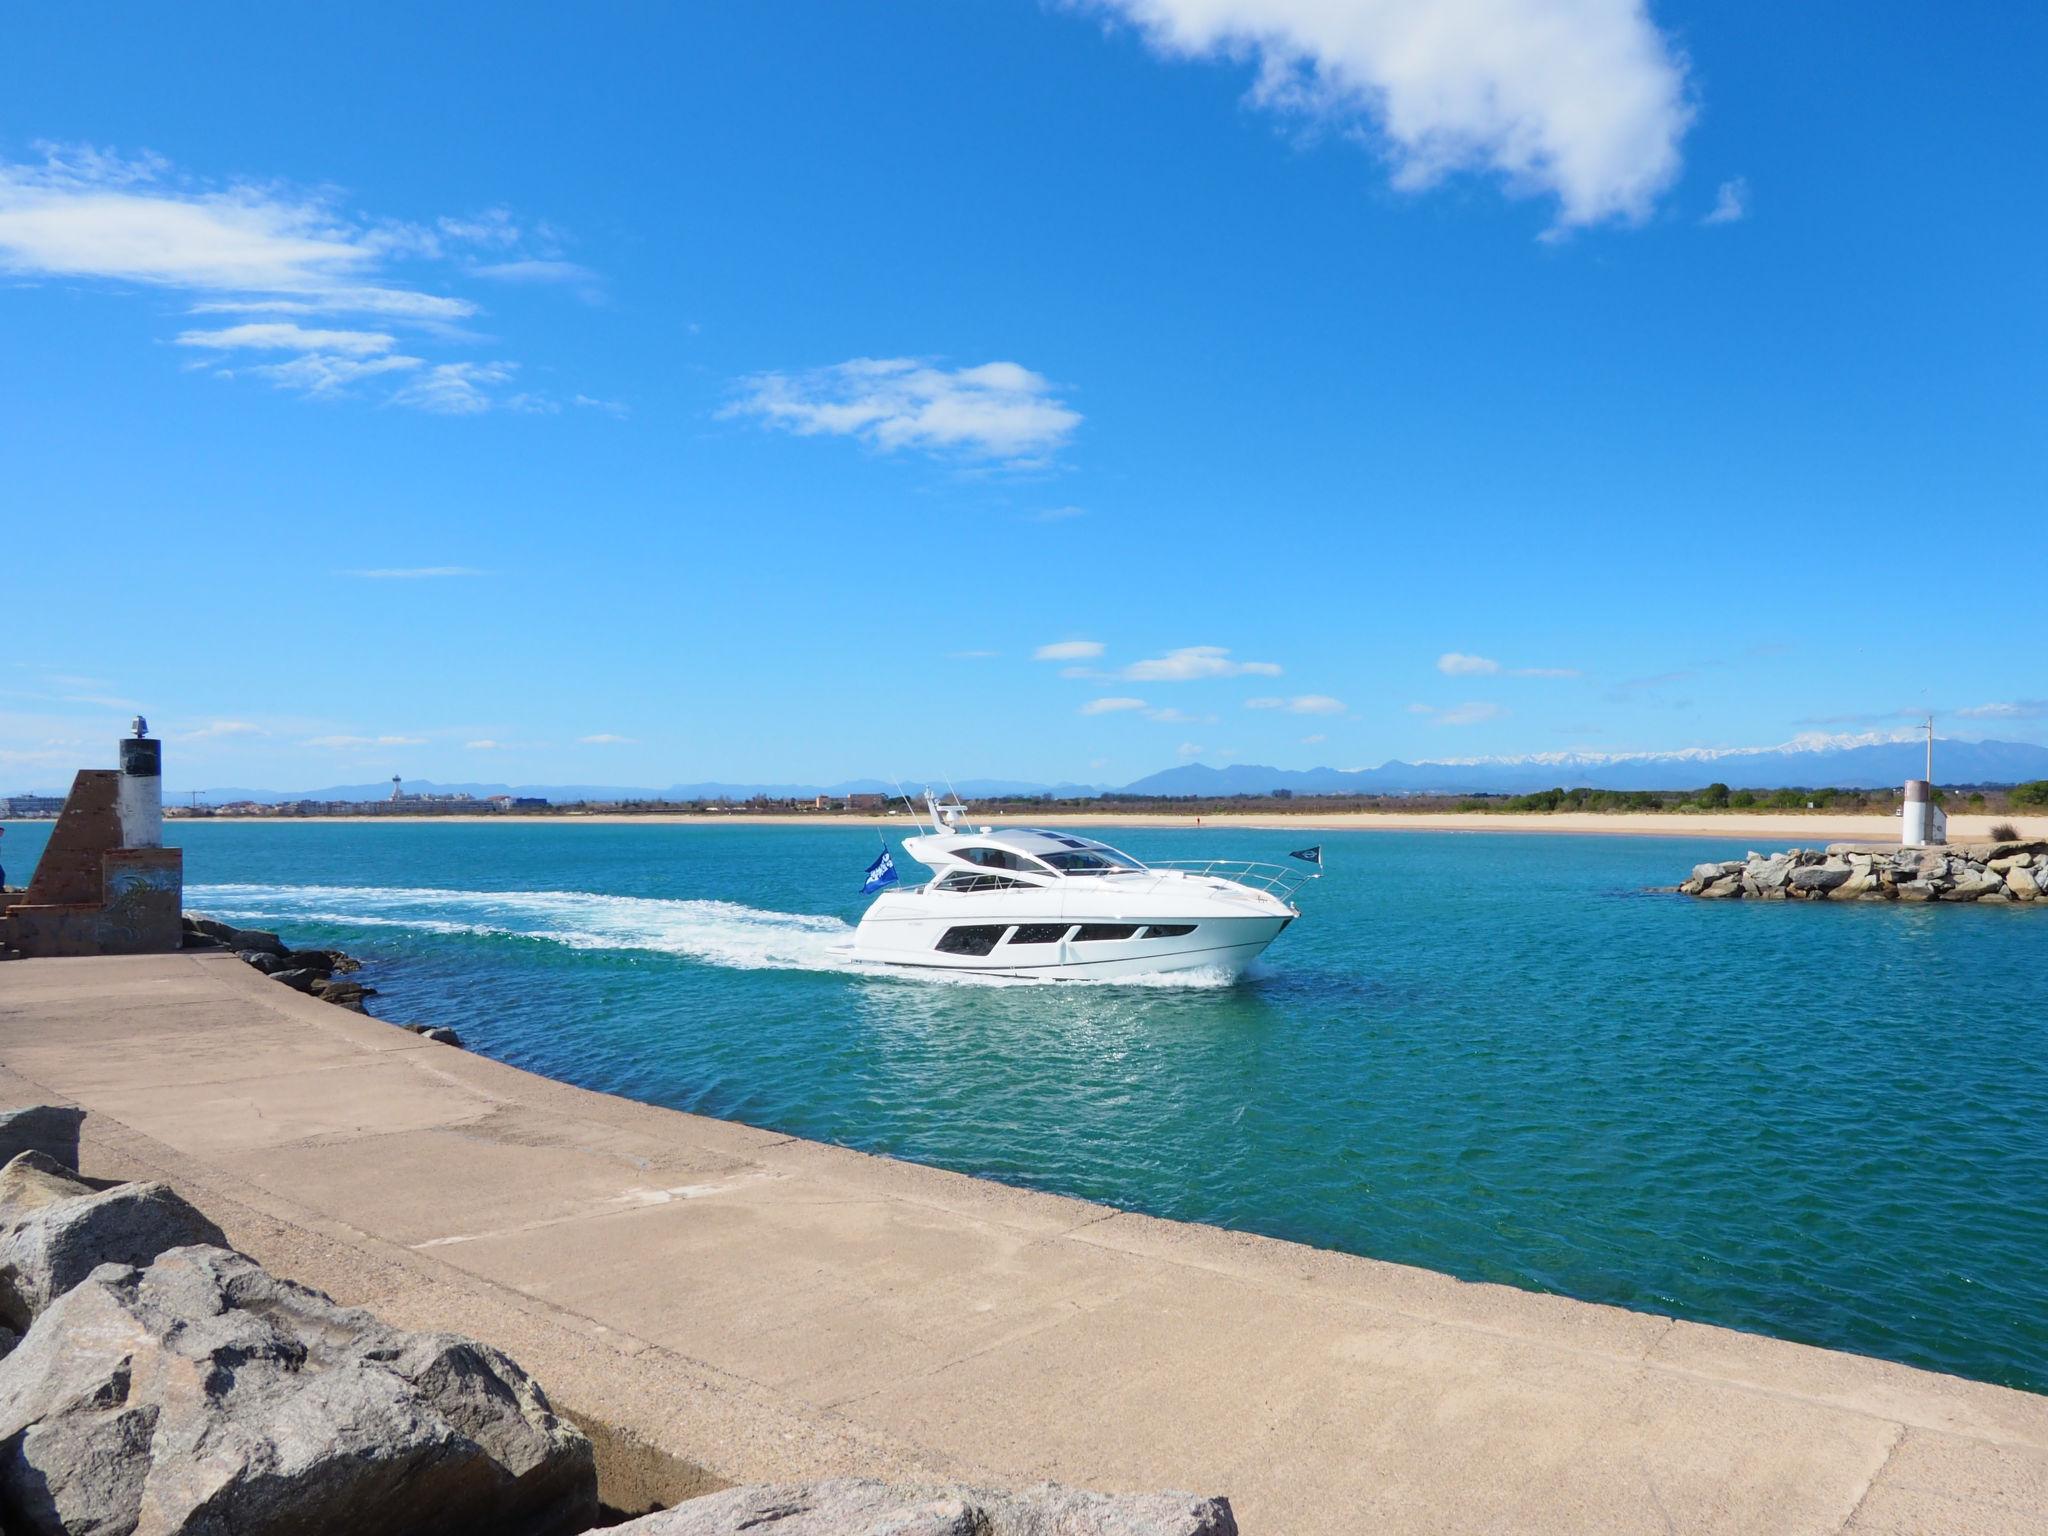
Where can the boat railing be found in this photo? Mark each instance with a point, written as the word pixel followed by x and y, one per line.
pixel 1280 879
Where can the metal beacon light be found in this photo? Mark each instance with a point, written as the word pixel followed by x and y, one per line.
pixel 140 796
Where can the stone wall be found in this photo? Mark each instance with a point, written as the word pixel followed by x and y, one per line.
pixel 91 896
pixel 1994 872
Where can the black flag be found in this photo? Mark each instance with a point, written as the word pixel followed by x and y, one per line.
pixel 1311 855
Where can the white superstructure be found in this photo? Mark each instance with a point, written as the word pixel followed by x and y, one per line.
pixel 1052 905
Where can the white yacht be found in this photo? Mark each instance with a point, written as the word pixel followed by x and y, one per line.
pixel 1050 905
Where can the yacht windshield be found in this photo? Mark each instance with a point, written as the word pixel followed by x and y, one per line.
pixel 1088 861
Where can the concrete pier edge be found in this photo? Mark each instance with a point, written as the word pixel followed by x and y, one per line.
pixel 750 1306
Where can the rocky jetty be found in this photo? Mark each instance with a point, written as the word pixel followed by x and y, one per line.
pixel 1994 872
pixel 154 1379
pixel 321 973
pixel 863 1507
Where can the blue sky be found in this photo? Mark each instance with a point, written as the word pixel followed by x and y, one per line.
pixel 636 394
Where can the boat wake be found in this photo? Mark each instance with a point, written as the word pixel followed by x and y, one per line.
pixel 722 933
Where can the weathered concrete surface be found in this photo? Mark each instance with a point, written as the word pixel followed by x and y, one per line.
pixel 770 1309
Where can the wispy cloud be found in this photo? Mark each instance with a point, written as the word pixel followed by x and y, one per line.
pixel 1474 713
pixel 262 249
pixel 1458 664
pixel 1172 716
pixel 352 743
pixel 972 655
pixel 1584 101
pixel 1192 663
pixel 997 411
pixel 1058 514
pixel 288 336
pixel 1302 704
pixel 1111 706
pixel 1315 740
pixel 1068 650
pixel 214 730
pixel 413 572
pixel 485 744
pixel 605 739
pixel 1462 664
pixel 2011 709
pixel 1731 203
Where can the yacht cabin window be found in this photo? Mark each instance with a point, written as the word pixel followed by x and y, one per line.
pixel 1000 858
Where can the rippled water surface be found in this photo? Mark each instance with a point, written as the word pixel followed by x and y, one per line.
pixel 1493 1055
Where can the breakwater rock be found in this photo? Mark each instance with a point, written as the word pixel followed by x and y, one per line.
pixel 155 1379
pixel 864 1507
pixel 1994 872
pixel 321 973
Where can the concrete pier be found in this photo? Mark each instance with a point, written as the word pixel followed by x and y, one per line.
pixel 764 1307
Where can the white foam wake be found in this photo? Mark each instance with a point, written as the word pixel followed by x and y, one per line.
pixel 717 932
pixel 723 933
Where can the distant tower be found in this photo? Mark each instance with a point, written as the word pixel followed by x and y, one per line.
pixel 395 794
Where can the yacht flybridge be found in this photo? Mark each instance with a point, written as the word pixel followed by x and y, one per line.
pixel 1027 902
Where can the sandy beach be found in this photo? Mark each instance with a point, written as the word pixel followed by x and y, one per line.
pixel 1810 829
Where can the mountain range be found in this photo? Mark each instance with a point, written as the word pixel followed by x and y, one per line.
pixel 1844 762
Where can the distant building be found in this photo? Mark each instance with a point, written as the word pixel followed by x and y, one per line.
pixel 31 807
pixel 866 802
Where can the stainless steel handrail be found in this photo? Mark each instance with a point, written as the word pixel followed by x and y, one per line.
pixel 1280 879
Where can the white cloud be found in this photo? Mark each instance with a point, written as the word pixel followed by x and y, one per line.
pixel 1058 514
pixel 995 411
pixel 1316 739
pixel 1731 203
pixel 605 739
pixel 242 248
pixel 1421 709
pixel 971 655
pixel 1580 100
pixel 213 730
pixel 1193 662
pixel 1172 716
pixel 322 373
pixel 346 743
pixel 2014 709
pixel 457 389
pixel 616 408
pixel 1110 706
pixel 1303 704
pixel 413 572
pixel 536 272
pixel 487 745
pixel 1068 650
pixel 1458 664
pixel 1189 750
pixel 282 336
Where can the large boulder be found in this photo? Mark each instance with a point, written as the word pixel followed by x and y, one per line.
pixel 204 1395
pixel 1818 879
pixel 56 1228
pixel 51 1129
pixel 2021 881
pixel 863 1507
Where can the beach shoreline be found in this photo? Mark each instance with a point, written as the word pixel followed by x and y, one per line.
pixel 1812 828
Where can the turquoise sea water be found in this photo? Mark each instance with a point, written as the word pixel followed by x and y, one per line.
pixel 1493 1055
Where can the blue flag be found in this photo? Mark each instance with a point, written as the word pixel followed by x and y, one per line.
pixel 1311 855
pixel 880 873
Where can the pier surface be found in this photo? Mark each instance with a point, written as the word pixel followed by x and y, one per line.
pixel 767 1308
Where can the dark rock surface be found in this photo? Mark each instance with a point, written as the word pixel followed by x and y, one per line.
pixel 51 1129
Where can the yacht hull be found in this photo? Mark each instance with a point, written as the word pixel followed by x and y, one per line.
pixel 1218 946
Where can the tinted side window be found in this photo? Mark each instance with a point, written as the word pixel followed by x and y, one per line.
pixel 978 940
pixel 1089 932
pixel 996 858
pixel 1169 930
pixel 1039 933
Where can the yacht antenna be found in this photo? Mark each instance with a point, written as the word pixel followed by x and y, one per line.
pixel 914 821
